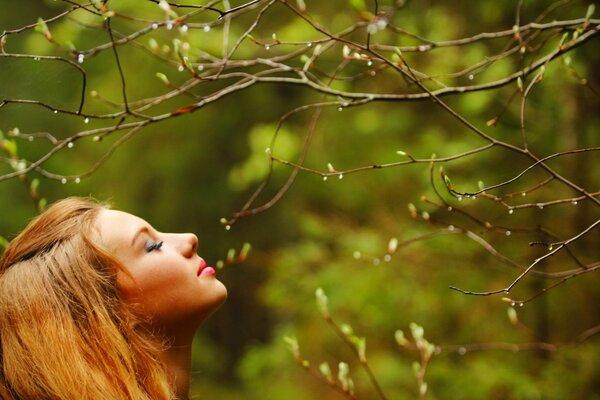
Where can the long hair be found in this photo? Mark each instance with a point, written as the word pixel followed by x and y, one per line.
pixel 64 331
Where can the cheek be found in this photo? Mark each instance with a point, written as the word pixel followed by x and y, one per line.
pixel 153 286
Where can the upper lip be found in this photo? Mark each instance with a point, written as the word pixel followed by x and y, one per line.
pixel 201 266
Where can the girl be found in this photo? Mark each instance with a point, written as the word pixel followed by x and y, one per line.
pixel 97 304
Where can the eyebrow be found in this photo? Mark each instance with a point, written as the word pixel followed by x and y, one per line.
pixel 139 232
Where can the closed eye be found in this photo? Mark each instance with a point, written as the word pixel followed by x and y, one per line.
pixel 152 245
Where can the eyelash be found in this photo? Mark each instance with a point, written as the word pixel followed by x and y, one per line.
pixel 152 245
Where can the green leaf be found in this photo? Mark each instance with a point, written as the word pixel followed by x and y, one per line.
pixel 590 11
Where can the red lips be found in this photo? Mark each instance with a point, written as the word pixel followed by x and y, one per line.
pixel 205 270
pixel 202 266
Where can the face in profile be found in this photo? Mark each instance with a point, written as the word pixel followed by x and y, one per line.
pixel 165 281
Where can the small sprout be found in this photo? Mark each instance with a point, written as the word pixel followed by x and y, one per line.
pixel 360 343
pixel 33 187
pixel 413 210
pixel 392 245
pixel 480 185
pixel 305 364
pixel 356 254
pixel 293 345
pixel 520 84
pixel 230 255
pixel 401 153
pixel 512 315
pixel 330 167
pixel 447 180
pixel 346 51
pixel 423 389
pixel 325 370
pixel 492 122
pixel 154 45
pixel 322 303
pixel 42 28
pixel 301 5
pixel 416 331
pixel 246 247
pixel 425 215
pixel 163 78
pixel 590 11
pixel 429 348
pixel 93 93
pixel 400 338
pixel 220 264
pixel 42 204
pixel 416 367
pixel 343 371
pixel 347 329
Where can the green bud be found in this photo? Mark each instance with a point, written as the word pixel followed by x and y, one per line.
pixel 416 331
pixel 326 371
pixel 590 11
pixel 230 255
pixel 163 78
pixel 416 367
pixel 293 345
pixel 322 302
pixel 400 338
pixel 360 343
pixel 154 45
pixel 246 247
pixel 42 204
pixel 343 371
pixel 33 188
pixel 512 315
pixel 392 245
pixel 42 28
pixel 301 5
pixel 347 329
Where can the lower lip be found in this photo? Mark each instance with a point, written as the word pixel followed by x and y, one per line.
pixel 208 271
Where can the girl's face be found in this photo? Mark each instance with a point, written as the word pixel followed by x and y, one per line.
pixel 166 281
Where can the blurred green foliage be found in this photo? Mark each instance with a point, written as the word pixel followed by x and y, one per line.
pixel 187 172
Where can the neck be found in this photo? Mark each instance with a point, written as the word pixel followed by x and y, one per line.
pixel 178 361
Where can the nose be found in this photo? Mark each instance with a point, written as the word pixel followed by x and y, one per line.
pixel 189 244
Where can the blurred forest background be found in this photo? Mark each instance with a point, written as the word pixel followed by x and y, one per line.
pixel 204 152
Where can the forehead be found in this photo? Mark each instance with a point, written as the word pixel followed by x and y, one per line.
pixel 118 228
